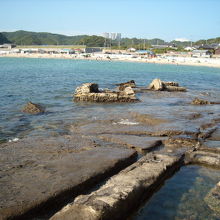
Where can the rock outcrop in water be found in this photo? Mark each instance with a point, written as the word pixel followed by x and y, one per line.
pixel 89 92
pixel 159 85
pixel 33 108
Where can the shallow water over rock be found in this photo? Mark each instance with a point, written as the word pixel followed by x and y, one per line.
pixel 182 196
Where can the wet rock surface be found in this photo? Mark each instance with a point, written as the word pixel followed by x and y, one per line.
pixel 134 142
pixel 32 108
pixel 39 173
pixel 215 135
pixel 115 199
pixel 89 92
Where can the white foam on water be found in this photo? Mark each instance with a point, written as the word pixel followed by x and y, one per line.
pixel 125 122
pixel 13 140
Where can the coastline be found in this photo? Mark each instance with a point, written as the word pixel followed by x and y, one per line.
pixel 185 61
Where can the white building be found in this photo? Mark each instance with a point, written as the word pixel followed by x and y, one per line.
pixel 106 35
pixel 112 36
pixel 115 36
pixel 201 53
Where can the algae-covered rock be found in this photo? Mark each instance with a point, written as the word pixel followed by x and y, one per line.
pixel 33 108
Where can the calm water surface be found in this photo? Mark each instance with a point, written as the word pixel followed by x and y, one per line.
pixel 182 196
pixel 52 82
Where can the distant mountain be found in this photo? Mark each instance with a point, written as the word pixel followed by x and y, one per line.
pixel 44 38
pixel 41 38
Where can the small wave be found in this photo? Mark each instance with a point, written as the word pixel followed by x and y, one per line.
pixel 125 122
pixel 13 140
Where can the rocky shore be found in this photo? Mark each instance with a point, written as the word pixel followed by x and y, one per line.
pixel 106 168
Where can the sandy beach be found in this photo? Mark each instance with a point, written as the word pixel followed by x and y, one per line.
pixel 191 61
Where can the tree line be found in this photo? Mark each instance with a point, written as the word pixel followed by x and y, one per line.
pixel 44 38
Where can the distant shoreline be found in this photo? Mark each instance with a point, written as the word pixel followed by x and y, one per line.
pixel 185 61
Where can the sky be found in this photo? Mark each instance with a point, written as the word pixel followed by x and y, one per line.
pixel 165 19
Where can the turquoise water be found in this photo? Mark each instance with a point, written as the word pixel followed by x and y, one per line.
pixel 182 196
pixel 52 82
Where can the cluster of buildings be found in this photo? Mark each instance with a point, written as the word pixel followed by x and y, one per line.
pixel 201 51
pixel 8 49
pixel 204 50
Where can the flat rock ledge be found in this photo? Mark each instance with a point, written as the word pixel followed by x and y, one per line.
pixel 89 92
pixel 140 144
pixel 213 199
pixel 159 85
pixel 44 175
pixel 123 192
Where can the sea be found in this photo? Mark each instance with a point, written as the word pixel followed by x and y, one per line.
pixel 52 82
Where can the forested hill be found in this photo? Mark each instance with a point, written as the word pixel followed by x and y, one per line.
pixel 3 39
pixel 209 41
pixel 40 38
pixel 44 38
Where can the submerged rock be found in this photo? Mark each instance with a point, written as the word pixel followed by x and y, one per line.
pixel 198 101
pixel 89 92
pixel 159 85
pixel 213 199
pixel 33 108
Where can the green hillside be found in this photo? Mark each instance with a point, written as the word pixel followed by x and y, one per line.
pixel 41 38
pixel 3 39
pixel 209 41
pixel 44 38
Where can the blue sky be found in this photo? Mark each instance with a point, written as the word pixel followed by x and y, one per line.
pixel 166 19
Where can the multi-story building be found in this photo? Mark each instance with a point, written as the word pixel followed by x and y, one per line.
pixel 112 36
